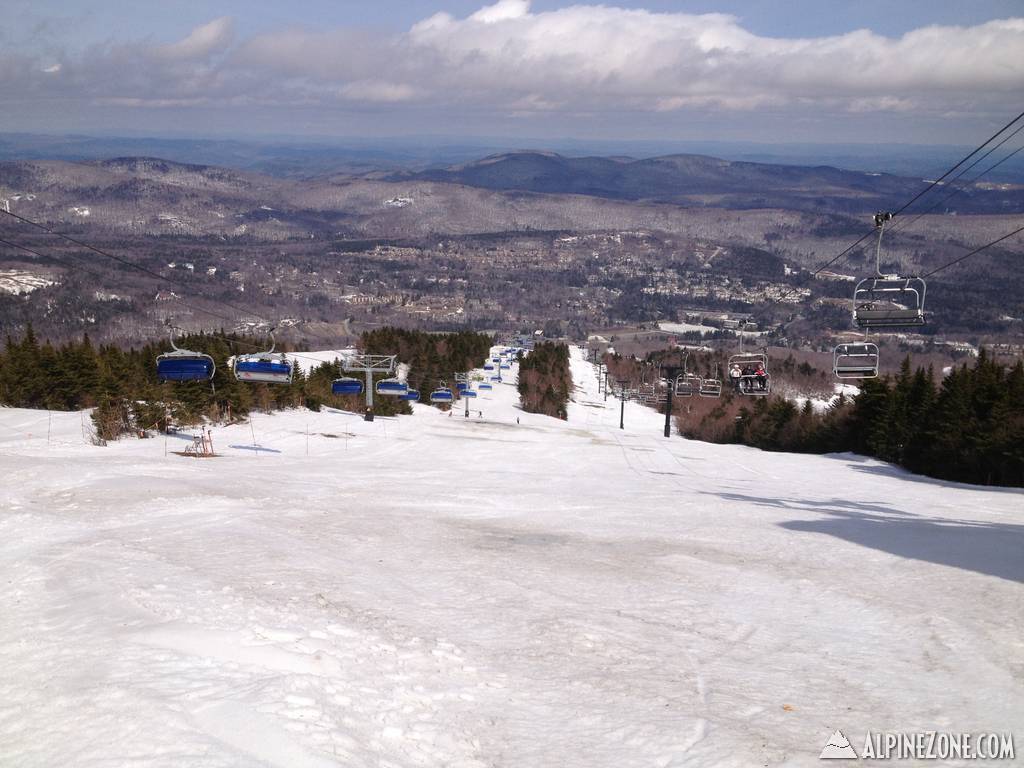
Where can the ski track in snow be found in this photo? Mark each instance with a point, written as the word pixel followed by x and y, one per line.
pixel 441 591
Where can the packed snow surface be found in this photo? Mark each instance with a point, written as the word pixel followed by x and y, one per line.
pixel 433 590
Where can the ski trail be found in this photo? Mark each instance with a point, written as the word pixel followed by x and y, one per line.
pixel 258 736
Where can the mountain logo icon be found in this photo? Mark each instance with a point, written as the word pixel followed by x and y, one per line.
pixel 838 748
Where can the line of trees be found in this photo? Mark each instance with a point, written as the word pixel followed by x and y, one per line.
pixel 545 380
pixel 121 385
pixel 967 428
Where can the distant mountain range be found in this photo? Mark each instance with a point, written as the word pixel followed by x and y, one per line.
pixel 463 197
pixel 303 157
pixel 697 180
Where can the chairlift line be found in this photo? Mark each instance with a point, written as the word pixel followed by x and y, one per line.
pixel 880 301
pixel 917 317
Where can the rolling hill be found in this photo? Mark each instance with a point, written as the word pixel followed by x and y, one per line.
pixel 698 180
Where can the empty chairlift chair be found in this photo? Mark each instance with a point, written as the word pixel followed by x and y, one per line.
pixel 442 395
pixel 347 385
pixel 855 361
pixel 411 395
pixel 887 301
pixel 687 385
pixel 710 388
pixel 184 365
pixel 391 387
pixel 264 367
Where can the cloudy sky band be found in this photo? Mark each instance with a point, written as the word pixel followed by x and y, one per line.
pixel 544 70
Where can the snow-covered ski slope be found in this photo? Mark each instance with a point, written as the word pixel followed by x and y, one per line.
pixel 437 591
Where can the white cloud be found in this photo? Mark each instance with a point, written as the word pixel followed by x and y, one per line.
pixel 601 57
pixel 206 40
pixel 505 59
pixel 502 10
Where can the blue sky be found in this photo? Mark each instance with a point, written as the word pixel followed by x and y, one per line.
pixel 93 22
pixel 803 70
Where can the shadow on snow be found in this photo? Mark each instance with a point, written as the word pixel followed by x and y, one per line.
pixel 994 549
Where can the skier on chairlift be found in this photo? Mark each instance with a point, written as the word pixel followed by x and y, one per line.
pixel 735 374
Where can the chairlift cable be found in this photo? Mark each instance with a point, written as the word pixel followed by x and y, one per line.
pixel 914 199
pixel 44 256
pixel 939 180
pixel 957 189
pixel 133 265
pixel 976 250
pixel 64 258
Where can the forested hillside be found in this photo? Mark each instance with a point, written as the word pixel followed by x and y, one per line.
pixel 968 428
pixel 545 380
pixel 122 385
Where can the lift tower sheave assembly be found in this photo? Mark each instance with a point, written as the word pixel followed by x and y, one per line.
pixel 369 365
